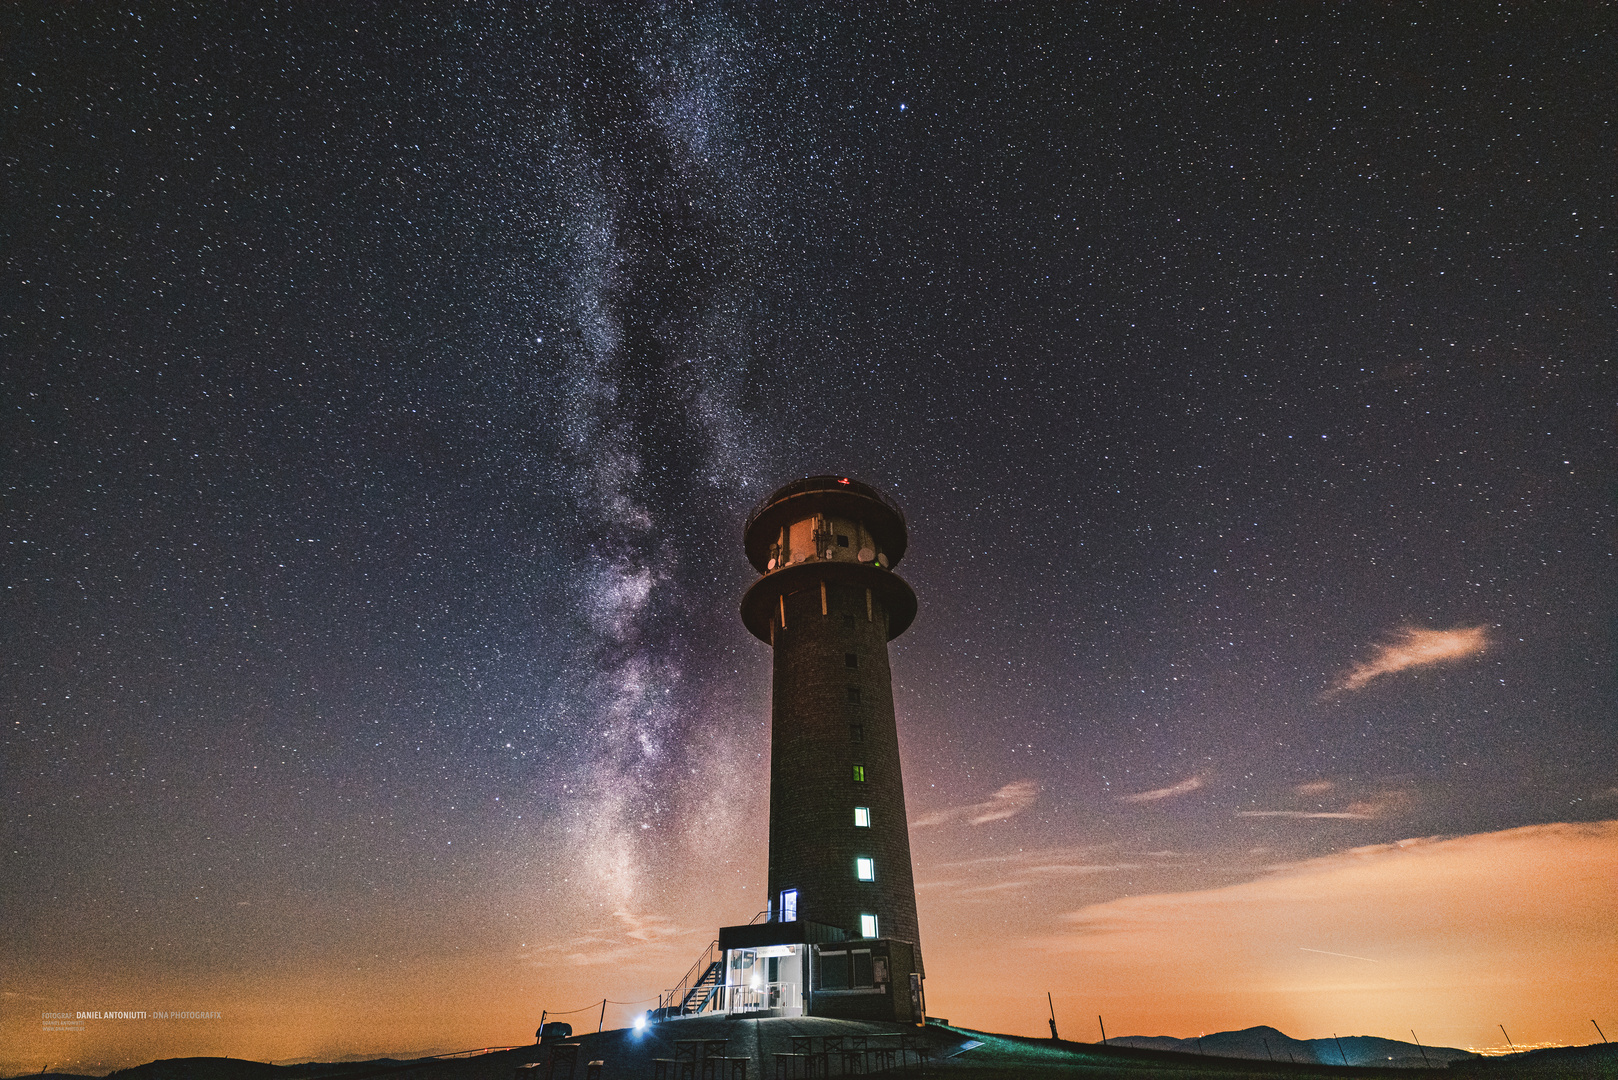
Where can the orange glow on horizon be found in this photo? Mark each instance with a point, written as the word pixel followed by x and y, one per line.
pixel 1449 936
pixel 1445 935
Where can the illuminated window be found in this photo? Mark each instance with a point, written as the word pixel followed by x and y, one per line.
pixel 789 905
pixel 859 774
pixel 868 926
pixel 862 817
pixel 865 869
pixel 851 659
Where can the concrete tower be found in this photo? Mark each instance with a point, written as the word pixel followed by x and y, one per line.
pixel 839 936
pixel 828 603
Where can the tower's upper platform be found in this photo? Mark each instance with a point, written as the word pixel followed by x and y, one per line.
pixel 826 530
pixel 836 496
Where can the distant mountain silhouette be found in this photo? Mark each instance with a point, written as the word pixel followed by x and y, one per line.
pixel 1266 1044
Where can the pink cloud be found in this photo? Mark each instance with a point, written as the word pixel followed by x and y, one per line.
pixel 1415 647
pixel 1009 801
pixel 1181 788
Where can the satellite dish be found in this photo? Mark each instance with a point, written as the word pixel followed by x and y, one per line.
pixel 866 554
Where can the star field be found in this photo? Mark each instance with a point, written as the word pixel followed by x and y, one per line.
pixel 385 391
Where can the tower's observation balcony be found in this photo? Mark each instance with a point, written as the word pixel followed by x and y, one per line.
pixel 825 531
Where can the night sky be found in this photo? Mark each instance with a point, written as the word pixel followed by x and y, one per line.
pixel 385 391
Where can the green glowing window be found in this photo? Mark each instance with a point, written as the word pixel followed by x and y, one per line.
pixel 862 817
pixel 859 774
pixel 865 869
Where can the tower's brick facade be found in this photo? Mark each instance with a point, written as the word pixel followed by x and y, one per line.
pixel 828 604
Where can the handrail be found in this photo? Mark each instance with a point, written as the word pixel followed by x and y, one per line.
pixel 774 995
pixel 676 998
pixel 702 963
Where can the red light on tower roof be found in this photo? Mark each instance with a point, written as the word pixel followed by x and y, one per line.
pixel 843 480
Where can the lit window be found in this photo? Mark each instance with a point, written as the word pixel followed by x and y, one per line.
pixel 859 774
pixel 862 817
pixel 789 905
pixel 868 926
pixel 865 869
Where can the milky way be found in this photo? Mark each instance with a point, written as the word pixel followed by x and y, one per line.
pixel 642 282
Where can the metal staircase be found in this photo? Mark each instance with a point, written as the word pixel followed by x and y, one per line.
pixel 698 991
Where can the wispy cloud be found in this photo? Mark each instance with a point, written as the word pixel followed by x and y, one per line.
pixel 637 939
pixel 1305 814
pixel 1314 787
pixel 985 879
pixel 1369 809
pixel 1183 787
pixel 1009 801
pixel 1415 647
pixel 1344 955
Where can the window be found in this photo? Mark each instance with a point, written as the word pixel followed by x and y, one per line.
pixel 868 926
pixel 865 869
pixel 862 817
pixel 851 659
pixel 842 541
pixel 859 774
pixel 856 733
pixel 789 905
pixel 834 971
pixel 862 969
pixel 853 695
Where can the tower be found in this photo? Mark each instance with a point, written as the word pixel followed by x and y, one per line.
pixel 828 602
pixel 839 936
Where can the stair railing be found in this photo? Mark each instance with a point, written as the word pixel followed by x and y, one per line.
pixel 677 1002
pixel 674 1002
